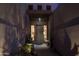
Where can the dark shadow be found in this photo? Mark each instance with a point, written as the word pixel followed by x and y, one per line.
pixel 72 22
pixel 64 49
pixel 74 51
pixel 11 42
pixel 3 21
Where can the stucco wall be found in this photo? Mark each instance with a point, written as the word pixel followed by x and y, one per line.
pixel 11 24
pixel 2 38
pixel 64 14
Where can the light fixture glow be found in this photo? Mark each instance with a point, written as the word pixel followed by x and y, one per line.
pixel 39 19
pixel 32 32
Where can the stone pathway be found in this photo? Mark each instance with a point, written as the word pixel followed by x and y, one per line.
pixel 43 50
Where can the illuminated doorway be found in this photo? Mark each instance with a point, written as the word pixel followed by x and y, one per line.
pixel 39 32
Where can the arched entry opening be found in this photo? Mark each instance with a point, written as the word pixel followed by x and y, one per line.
pixel 39 26
pixel 39 30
